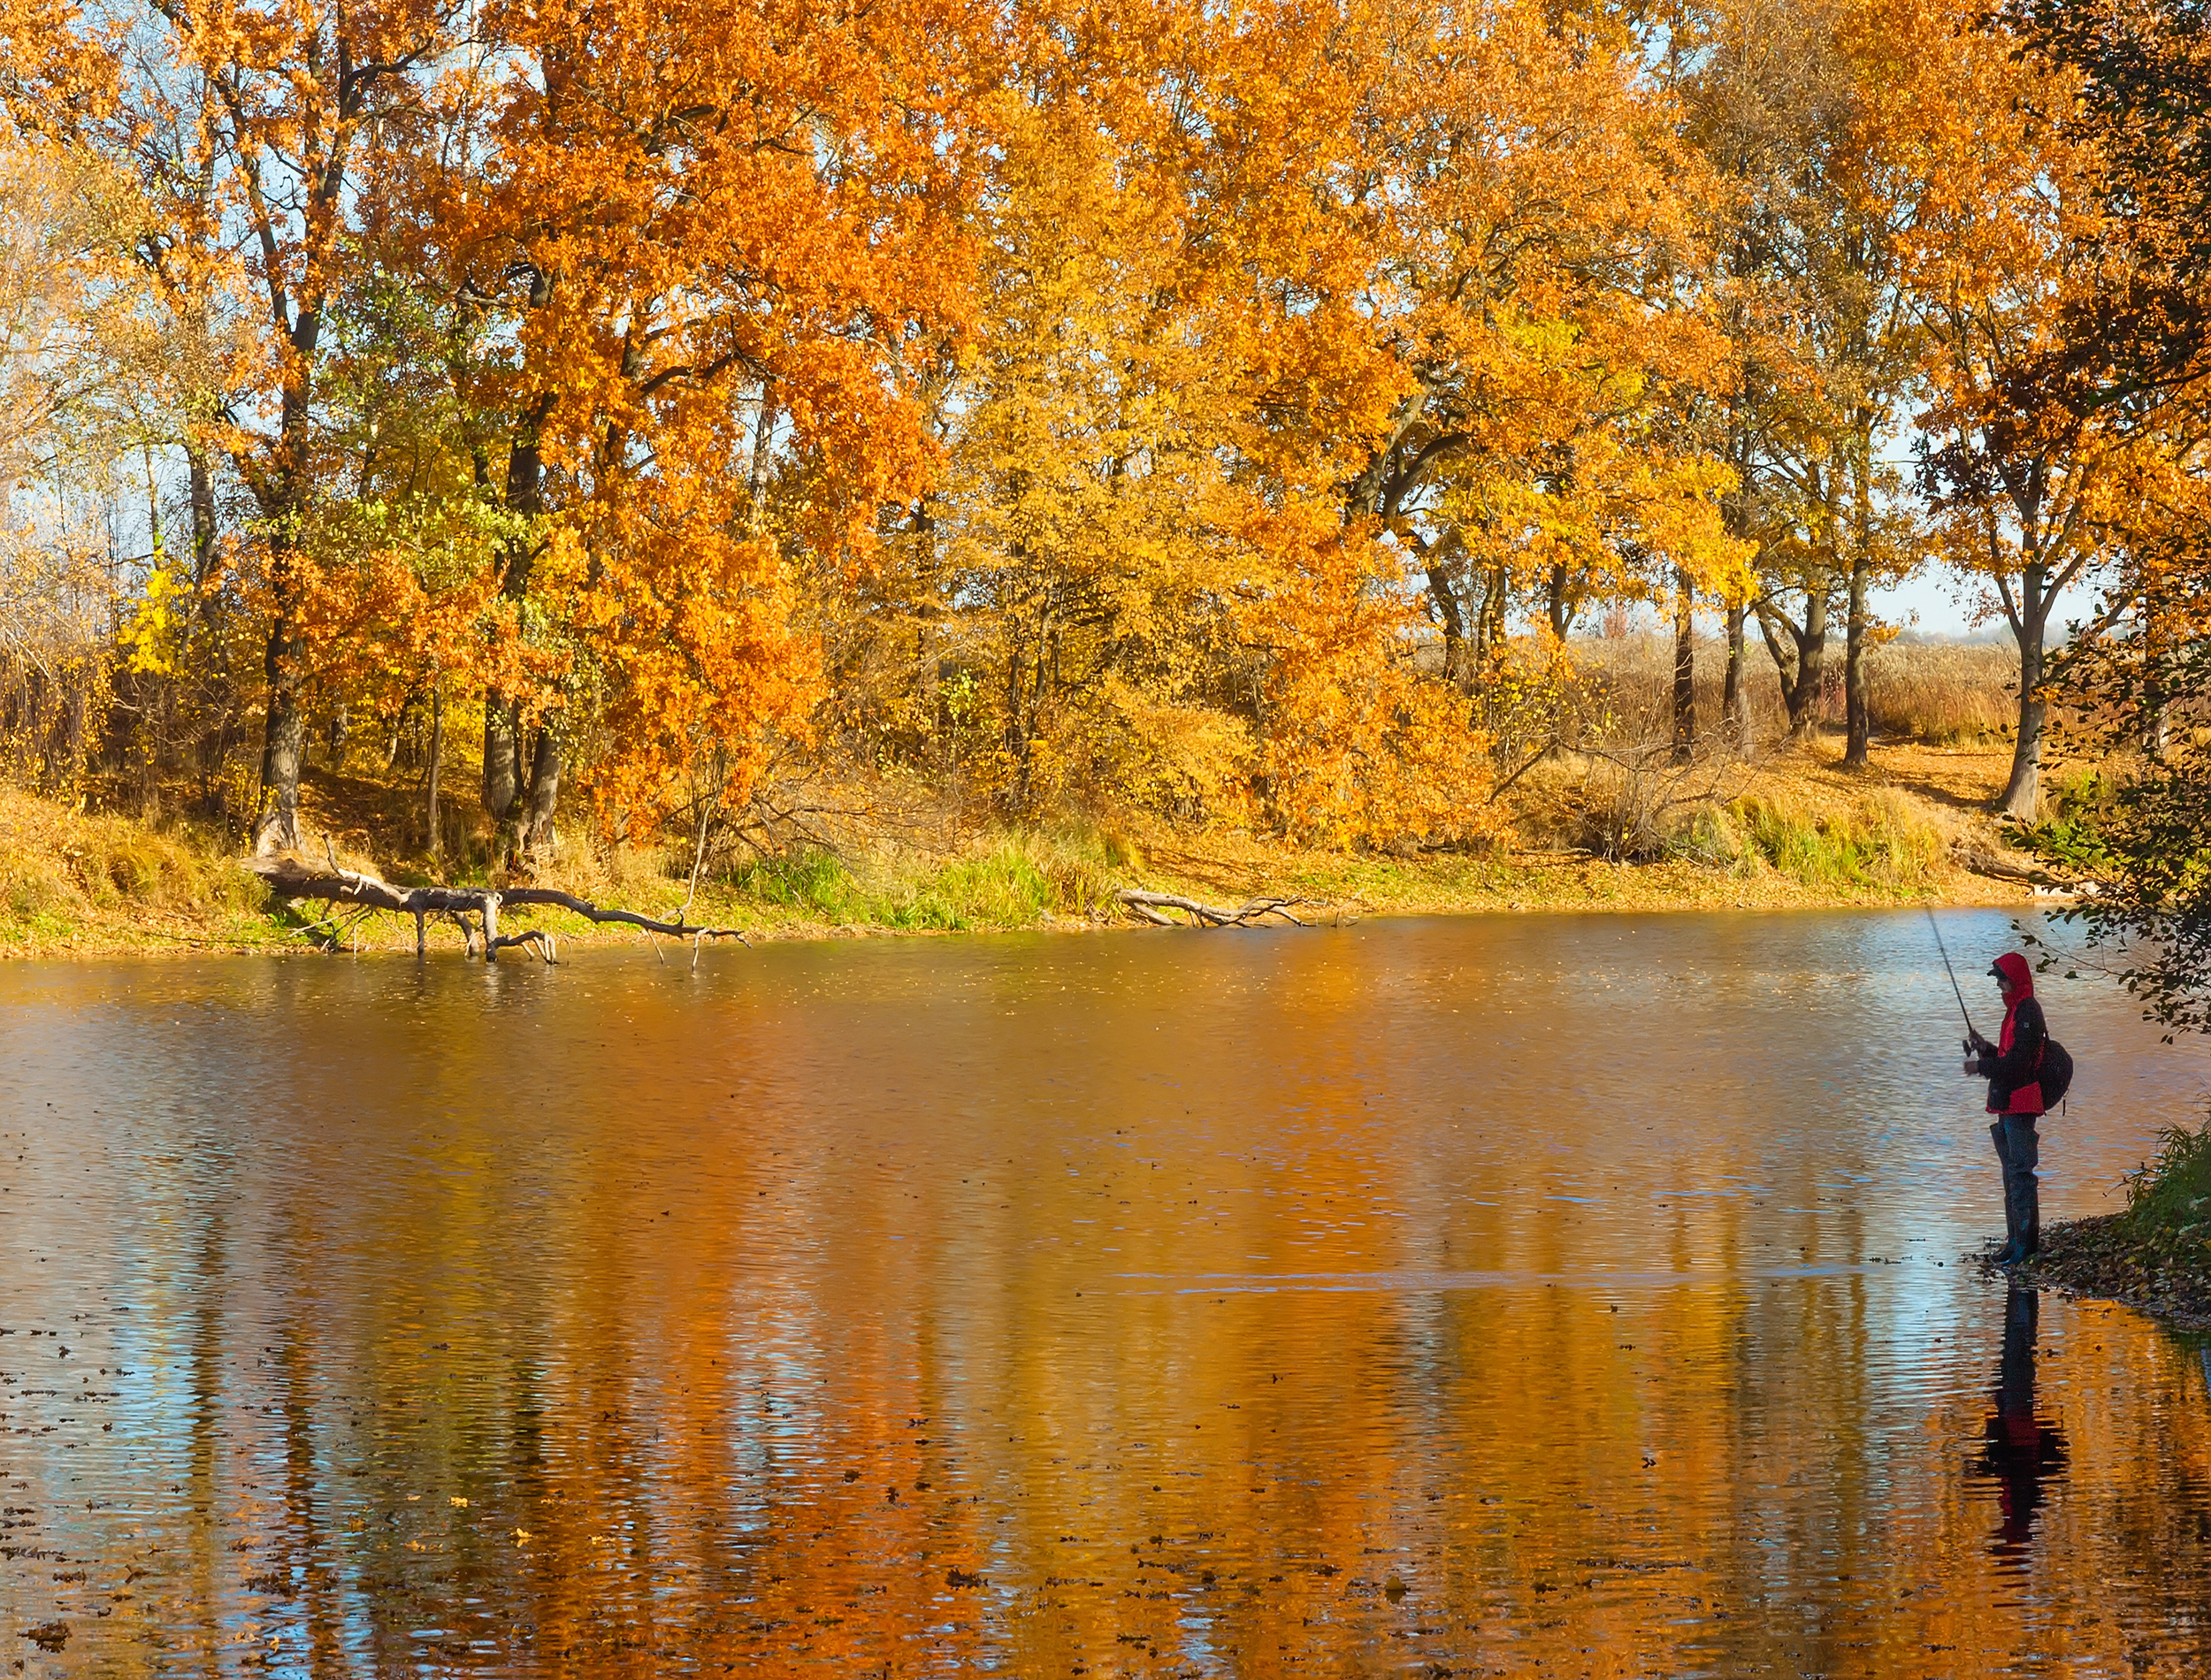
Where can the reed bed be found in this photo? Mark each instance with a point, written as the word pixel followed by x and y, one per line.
pixel 1937 693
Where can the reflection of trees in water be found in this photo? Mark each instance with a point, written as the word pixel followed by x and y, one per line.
pixel 2023 1450
pixel 1762 1473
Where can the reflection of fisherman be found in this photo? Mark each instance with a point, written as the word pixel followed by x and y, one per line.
pixel 2021 1451
pixel 2012 1066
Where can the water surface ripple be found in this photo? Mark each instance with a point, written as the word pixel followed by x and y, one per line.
pixel 1556 1294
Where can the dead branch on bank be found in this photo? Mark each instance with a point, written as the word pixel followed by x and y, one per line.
pixel 1150 907
pixel 1979 860
pixel 289 878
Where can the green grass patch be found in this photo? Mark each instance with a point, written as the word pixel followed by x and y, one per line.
pixel 1009 881
pixel 2169 1197
pixel 1878 846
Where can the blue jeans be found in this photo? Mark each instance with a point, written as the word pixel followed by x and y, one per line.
pixel 2018 1148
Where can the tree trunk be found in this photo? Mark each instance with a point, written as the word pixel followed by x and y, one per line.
pixel 1811 665
pixel 537 837
pixel 1684 669
pixel 756 472
pixel 1856 710
pixel 1489 620
pixel 284 736
pixel 524 494
pixel 1858 717
pixel 1456 668
pixel 437 745
pixel 200 474
pixel 502 757
pixel 2022 792
pixel 1734 703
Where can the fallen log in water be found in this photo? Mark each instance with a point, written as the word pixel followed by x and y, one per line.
pixel 1151 906
pixel 289 878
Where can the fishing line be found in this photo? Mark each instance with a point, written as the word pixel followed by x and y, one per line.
pixel 1953 973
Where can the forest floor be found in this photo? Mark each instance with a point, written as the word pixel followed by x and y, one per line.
pixel 1792 830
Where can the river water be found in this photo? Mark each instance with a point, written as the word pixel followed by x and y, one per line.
pixel 1548 1295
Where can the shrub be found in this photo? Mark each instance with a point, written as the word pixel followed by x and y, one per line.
pixel 2169 1195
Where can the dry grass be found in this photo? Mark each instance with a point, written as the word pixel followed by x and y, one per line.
pixel 1940 693
pixel 69 878
pixel 1944 694
pixel 1615 827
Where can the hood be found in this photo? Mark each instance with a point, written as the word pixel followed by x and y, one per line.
pixel 2015 968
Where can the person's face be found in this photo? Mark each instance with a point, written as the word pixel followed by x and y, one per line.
pixel 2004 988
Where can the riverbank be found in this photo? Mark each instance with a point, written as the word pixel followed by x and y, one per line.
pixel 2107 1258
pixel 2156 1256
pixel 1795 831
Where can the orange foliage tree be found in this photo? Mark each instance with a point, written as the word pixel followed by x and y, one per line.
pixel 1533 279
pixel 2022 483
pixel 1277 305
pixel 683 256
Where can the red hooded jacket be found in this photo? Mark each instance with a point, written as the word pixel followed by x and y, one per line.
pixel 2014 1068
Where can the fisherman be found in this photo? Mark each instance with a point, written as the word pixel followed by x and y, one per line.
pixel 2013 1067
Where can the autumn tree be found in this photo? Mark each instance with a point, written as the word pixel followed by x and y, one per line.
pixel 674 257
pixel 1795 103
pixel 67 313
pixel 1133 582
pixel 2126 357
pixel 1083 537
pixel 1533 254
pixel 2015 474
pixel 244 125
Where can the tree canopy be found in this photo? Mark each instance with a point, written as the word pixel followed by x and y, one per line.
pixel 1231 413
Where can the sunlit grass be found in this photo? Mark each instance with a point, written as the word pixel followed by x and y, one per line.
pixel 1008 881
pixel 63 869
pixel 1877 844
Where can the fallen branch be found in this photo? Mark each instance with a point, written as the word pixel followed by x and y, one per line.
pixel 1150 906
pixel 1977 859
pixel 289 878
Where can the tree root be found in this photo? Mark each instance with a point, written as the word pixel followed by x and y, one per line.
pixel 1152 907
pixel 289 878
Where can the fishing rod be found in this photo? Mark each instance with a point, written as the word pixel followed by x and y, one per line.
pixel 1972 1031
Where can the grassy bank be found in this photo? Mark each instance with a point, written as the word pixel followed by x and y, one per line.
pixel 2156 1255
pixel 1794 830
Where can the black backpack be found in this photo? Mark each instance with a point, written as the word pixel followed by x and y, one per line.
pixel 2055 1068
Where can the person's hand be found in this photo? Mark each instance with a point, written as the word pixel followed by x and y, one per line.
pixel 1972 1065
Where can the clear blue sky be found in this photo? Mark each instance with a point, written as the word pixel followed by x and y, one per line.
pixel 1942 605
